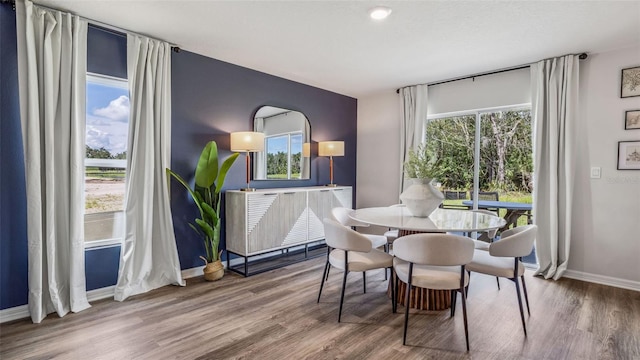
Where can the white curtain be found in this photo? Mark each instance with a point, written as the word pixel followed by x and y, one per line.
pixel 52 49
pixel 149 256
pixel 413 107
pixel 554 92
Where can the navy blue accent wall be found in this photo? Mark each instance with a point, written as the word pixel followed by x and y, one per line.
pixel 13 211
pixel 106 52
pixel 101 266
pixel 212 98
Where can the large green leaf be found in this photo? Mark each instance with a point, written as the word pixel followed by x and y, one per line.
pixel 205 227
pixel 226 165
pixel 207 169
pixel 196 198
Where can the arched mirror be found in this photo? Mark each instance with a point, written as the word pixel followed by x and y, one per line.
pixel 285 134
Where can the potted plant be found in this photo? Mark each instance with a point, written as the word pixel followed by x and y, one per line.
pixel 209 178
pixel 421 198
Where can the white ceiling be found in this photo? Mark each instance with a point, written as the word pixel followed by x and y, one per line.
pixel 334 45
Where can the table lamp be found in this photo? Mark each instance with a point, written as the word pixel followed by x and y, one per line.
pixel 247 141
pixel 331 149
pixel 306 150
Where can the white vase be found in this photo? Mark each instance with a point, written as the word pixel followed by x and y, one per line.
pixel 421 198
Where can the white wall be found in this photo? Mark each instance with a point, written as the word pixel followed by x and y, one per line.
pixel 378 163
pixel 605 245
pixel 606 239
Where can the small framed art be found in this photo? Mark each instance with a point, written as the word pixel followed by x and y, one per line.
pixel 630 84
pixel 632 120
pixel 629 155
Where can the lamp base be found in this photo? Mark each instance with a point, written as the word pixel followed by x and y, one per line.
pixel 331 185
pixel 248 189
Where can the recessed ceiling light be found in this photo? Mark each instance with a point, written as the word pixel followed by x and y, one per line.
pixel 380 12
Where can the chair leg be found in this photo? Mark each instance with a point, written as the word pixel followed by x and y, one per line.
pixel 524 326
pixel 454 296
pixel 526 297
pixel 463 296
pixel 327 277
pixel 325 274
pixel 344 284
pixel 397 289
pixel 498 281
pixel 364 282
pixel 406 305
pixel 393 290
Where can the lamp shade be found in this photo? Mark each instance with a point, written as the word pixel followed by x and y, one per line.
pixel 248 141
pixel 306 150
pixel 331 148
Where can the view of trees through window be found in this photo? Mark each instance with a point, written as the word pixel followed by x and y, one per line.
pixel 284 156
pixel 506 162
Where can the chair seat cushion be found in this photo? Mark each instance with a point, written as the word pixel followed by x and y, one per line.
pixel 360 261
pixel 430 277
pixel 484 263
pixel 481 245
pixel 391 235
pixel 376 240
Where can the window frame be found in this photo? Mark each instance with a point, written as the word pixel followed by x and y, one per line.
pixel 476 150
pixel 117 217
pixel 289 154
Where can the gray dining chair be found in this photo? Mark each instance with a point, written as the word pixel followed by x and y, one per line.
pixel 433 261
pixel 504 259
pixel 352 251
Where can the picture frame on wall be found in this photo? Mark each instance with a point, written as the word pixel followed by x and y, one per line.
pixel 629 155
pixel 630 82
pixel 632 120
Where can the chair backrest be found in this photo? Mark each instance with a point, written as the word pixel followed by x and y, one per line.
pixel 516 242
pixel 341 215
pixel 490 233
pixel 486 195
pixel 341 237
pixel 434 249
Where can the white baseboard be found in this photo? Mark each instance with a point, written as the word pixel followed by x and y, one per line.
pixel 14 313
pixel 102 293
pixel 604 280
pixel 193 272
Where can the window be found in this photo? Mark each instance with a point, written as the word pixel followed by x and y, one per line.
pixel 490 149
pixel 284 155
pixel 107 129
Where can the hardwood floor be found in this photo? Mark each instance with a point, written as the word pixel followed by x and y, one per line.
pixel 274 315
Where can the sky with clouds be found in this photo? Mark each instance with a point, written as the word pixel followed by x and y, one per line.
pixel 107 117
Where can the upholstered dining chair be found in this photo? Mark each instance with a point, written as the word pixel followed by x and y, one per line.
pixel 504 260
pixel 433 261
pixel 491 234
pixel 392 234
pixel 352 251
pixel 341 215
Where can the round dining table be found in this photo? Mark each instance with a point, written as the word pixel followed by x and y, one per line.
pixel 440 221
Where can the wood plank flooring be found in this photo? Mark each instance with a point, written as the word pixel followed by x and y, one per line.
pixel 274 315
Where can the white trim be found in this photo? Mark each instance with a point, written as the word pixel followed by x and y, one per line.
pixel 14 313
pixel 111 163
pixel 602 279
pixel 107 80
pixel 475 111
pixel 93 244
pixel 194 271
pixel 101 293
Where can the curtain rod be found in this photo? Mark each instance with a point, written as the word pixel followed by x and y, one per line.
pixel 113 29
pixel 581 57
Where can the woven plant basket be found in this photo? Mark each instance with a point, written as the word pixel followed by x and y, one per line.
pixel 213 271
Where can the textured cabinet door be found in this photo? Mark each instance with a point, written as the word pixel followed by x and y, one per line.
pixel 275 220
pixel 320 204
pixel 271 219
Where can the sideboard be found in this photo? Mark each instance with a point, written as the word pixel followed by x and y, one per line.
pixel 268 220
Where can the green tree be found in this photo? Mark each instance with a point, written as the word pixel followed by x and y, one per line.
pixel 100 153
